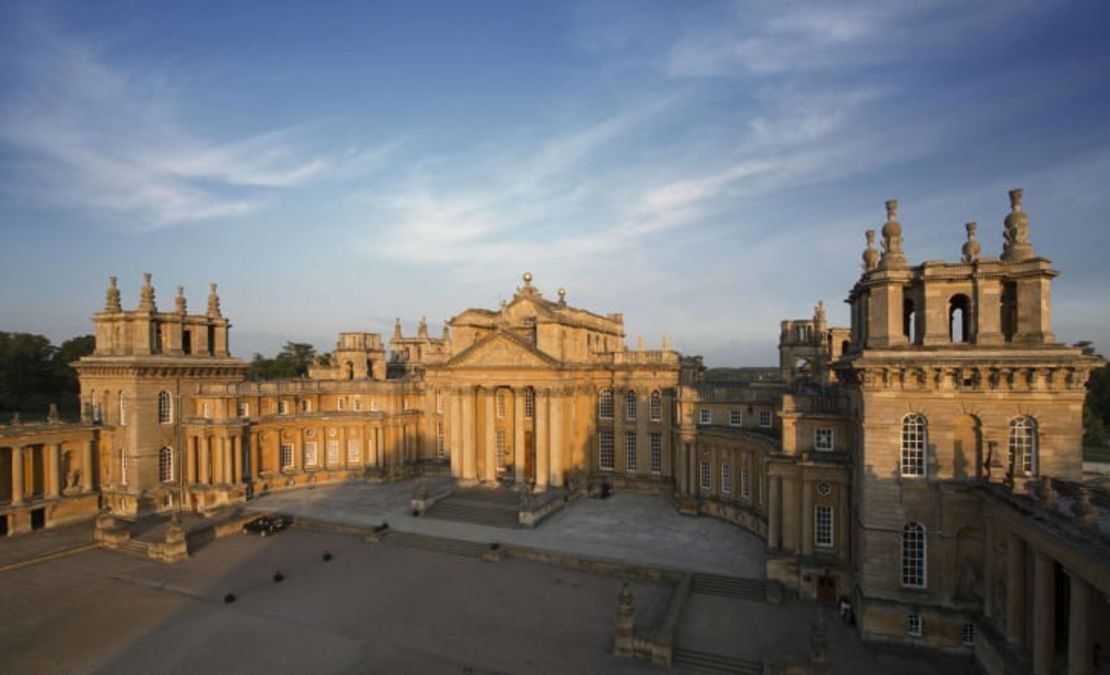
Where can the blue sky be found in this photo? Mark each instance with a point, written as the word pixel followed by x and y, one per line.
pixel 706 168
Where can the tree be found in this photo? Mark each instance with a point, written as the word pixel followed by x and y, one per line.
pixel 262 368
pixel 300 353
pixel 1096 407
pixel 35 373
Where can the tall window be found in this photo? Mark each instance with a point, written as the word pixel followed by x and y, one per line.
pixel 705 416
pixel 605 404
pixel 823 525
pixel 914 439
pixel 310 456
pixel 357 403
pixel 745 483
pixel 502 445
pixel 373 405
pixel 529 403
pixel 306 406
pixel 656 406
pixel 354 451
pixel 735 418
pixel 726 479
pixel 331 447
pixel 656 453
pixel 706 476
pixel 165 465
pixel 340 403
pixel 1023 445
pixel 439 440
pixel 165 408
pixel 630 405
pixel 765 419
pixel 439 400
pixel 630 452
pixel 823 440
pixel 499 403
pixel 243 409
pixel 287 455
pixel 283 407
pixel 605 449
pixel 913 555
pixel 123 466
pixel 205 410
pixel 122 409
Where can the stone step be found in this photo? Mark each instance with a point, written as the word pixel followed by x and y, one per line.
pixel 488 495
pixel 732 587
pixel 458 547
pixel 136 548
pixel 705 662
pixel 479 515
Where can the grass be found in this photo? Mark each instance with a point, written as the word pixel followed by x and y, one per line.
pixel 1093 453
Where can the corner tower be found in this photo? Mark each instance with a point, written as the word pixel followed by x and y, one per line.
pixel 138 386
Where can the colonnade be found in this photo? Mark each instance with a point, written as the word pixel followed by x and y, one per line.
pixel 1038 636
pixel 473 446
pixel 23 473
pixel 214 460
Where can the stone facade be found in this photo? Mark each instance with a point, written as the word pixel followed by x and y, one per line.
pixel 924 462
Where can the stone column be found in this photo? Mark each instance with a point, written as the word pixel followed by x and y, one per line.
pixel 237 459
pixel 489 473
pixel 1015 586
pixel 518 435
pixel 191 460
pixel 17 474
pixel 229 476
pixel 469 434
pixel 456 433
pixel 53 461
pixel 1079 627
pixel 87 467
pixel 807 517
pixel 556 447
pixel 774 512
pixel 202 467
pixel 1044 614
pixel 543 448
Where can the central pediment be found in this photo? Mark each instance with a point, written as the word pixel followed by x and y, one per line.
pixel 501 350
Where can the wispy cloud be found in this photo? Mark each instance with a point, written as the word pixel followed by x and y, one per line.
pixel 86 134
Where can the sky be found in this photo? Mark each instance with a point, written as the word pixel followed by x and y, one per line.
pixel 706 168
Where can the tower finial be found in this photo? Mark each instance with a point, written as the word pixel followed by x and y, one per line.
pixel 213 301
pixel 527 278
pixel 1015 244
pixel 111 297
pixel 562 296
pixel 146 295
pixel 397 329
pixel 179 301
pixel 870 255
pixel 971 248
pixel 892 238
pixel 422 329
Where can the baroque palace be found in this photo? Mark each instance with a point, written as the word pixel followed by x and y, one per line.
pixel 924 462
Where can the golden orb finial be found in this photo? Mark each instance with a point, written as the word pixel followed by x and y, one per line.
pixel 527 277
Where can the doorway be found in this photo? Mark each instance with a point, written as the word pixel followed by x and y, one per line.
pixel 38 519
pixel 826 590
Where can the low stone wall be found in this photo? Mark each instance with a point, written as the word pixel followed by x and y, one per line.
pixel 599 565
pixel 547 506
pixel 422 504
pixel 747 518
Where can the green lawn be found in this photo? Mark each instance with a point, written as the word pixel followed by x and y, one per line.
pixel 1095 454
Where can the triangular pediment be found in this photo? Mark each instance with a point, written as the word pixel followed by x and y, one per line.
pixel 501 350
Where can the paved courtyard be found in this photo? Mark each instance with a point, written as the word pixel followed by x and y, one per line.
pixel 630 527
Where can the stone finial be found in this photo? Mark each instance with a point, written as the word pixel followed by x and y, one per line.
pixel 52 415
pixel 1083 508
pixel 213 301
pixel 562 296
pixel 446 330
pixel 641 343
pixel 527 279
pixel 422 328
pixel 892 238
pixel 1047 493
pixel 397 328
pixel 870 255
pixel 146 295
pixel 1015 240
pixel 971 247
pixel 666 342
pixel 819 312
pixel 179 301
pixel 111 297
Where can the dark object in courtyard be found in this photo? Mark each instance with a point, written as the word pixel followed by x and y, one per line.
pixel 278 577
pixel 494 546
pixel 229 598
pixel 606 490
pixel 327 556
pixel 264 525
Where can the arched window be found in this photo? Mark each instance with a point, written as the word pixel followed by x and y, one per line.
pixel 165 408
pixel 165 465
pixel 914 442
pixel 1023 446
pixel 913 555
pixel 909 321
pixel 630 405
pixel 959 318
pixel 605 404
pixel 656 406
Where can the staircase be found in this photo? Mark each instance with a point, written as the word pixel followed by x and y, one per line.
pixel 494 507
pixel 704 662
pixel 729 587
pixel 135 548
pixel 468 549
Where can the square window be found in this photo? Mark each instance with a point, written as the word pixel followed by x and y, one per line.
pixel 823 440
pixel 765 419
pixel 283 407
pixel 705 416
pixel 735 418
pixel 969 634
pixel 913 625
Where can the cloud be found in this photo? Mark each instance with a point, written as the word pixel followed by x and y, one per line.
pixel 85 134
